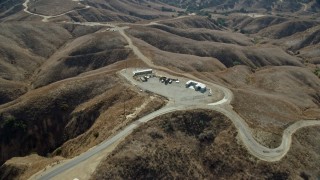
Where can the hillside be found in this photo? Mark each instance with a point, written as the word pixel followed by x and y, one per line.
pixel 62 93
pixel 247 5
pixel 89 10
pixel 47 117
pixel 228 54
pixel 199 145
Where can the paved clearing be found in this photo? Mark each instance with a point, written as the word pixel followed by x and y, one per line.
pixel 176 92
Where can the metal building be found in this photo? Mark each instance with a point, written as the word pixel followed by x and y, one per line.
pixel 142 72
pixel 196 85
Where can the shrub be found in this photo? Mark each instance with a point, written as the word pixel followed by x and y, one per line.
pixel 317 72
pixel 235 63
pixel 12 127
pixel 206 137
pixel 155 135
pixel 96 134
pixel 167 127
pixel 12 124
pixel 165 9
pixel 221 22
pixel 58 151
pixel 64 106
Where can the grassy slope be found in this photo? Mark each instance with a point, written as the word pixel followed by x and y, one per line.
pixel 202 145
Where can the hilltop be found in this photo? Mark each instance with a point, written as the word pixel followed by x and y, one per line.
pixel 61 93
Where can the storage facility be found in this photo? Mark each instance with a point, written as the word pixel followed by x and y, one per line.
pixel 197 86
pixel 142 72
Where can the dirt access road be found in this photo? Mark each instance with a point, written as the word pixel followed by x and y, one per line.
pixel 223 106
pixel 46 18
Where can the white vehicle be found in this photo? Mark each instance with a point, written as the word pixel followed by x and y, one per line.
pixel 210 92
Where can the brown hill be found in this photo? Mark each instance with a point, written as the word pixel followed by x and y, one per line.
pixel 202 145
pixel 47 117
pixel 283 6
pixel 11 90
pixel 208 35
pixel 271 98
pixel 304 44
pixel 47 7
pixel 60 95
pixel 25 46
pixel 253 25
pixel 287 29
pixel 229 55
pixel 83 54
pixel 93 10
pixel 192 22
pixel 10 7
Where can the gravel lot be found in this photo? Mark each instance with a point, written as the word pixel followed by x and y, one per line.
pixel 175 91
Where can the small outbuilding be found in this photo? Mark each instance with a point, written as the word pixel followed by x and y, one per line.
pixel 197 86
pixel 200 87
pixel 142 72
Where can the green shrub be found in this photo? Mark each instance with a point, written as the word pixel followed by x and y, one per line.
pixel 96 134
pixel 167 127
pixel 64 106
pixel 58 151
pixel 155 135
pixel 317 72
pixel 12 124
pixel 11 127
pixel 221 22
pixel 235 63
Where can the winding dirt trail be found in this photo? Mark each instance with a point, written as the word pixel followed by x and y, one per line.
pixel 305 6
pixel 223 106
pixel 46 18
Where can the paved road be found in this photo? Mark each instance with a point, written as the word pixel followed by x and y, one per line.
pixel 254 147
pixel 223 106
pixel 89 153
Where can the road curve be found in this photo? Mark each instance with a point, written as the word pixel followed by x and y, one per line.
pixel 45 17
pixel 254 147
pixel 223 106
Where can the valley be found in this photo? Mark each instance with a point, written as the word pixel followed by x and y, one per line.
pixel 261 68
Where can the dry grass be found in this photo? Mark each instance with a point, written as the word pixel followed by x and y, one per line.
pixel 24 167
pixel 47 7
pixel 75 67
pixel 177 146
pixel 227 54
pixel 81 55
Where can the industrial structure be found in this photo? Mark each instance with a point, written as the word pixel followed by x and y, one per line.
pixel 197 86
pixel 142 72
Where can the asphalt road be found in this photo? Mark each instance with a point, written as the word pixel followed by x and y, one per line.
pixel 223 106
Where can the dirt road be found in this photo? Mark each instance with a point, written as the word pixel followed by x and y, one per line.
pixel 46 18
pixel 223 106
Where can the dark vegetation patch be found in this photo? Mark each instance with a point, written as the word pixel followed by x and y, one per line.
pixel 197 144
